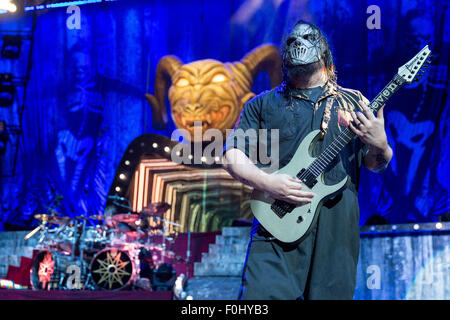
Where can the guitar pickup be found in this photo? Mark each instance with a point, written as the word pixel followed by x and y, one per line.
pixel 307 177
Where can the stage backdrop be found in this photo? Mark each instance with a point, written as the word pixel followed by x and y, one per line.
pixel 85 100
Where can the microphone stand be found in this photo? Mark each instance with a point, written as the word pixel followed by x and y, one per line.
pixel 188 254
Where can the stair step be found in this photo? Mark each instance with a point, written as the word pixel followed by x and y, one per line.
pixel 241 232
pixel 17 251
pixel 218 269
pixel 236 248
pixel 223 258
pixel 214 288
pixel 7 260
pixel 226 241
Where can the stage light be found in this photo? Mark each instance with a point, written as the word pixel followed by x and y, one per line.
pixel 203 159
pixel 122 176
pixel 8 6
pixel 416 227
pixel 166 149
pixel 438 225
pixel 155 145
pixel 163 278
pixel 394 227
pixel 127 162
pixel 117 189
pixel 190 157
pixel 217 159
pixel 11 46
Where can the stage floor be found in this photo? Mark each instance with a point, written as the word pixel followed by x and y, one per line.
pixel 7 294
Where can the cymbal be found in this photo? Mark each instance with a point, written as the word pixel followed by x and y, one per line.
pixel 156 208
pixel 115 197
pixel 125 217
pixel 94 217
pixel 52 219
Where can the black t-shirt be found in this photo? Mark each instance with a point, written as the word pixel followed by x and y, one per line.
pixel 297 114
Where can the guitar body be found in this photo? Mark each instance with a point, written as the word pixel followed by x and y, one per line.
pixel 290 228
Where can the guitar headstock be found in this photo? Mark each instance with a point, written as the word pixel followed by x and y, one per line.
pixel 410 70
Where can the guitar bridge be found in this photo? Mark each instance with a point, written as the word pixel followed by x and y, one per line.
pixel 281 208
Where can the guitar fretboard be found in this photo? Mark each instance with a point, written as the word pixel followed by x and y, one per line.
pixel 339 143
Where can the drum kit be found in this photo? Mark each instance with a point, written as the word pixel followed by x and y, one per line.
pixel 115 252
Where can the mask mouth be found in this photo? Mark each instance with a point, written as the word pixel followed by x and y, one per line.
pixel 297 55
pixel 301 55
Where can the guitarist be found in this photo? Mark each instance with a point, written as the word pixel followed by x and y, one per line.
pixel 323 265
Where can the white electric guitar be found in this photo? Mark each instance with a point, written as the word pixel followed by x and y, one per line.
pixel 289 223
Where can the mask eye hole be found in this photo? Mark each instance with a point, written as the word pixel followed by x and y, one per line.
pixel 182 82
pixel 220 77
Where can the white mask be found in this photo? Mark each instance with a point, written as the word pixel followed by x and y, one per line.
pixel 303 46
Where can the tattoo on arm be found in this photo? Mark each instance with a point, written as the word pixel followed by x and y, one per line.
pixel 375 160
pixel 381 163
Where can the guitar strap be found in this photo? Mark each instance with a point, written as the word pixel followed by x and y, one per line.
pixel 325 115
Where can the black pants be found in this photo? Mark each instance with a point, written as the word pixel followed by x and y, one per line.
pixel 323 266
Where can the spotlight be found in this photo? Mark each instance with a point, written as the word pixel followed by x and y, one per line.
pixel 164 278
pixel 118 189
pixel 167 149
pixel 11 46
pixel 155 145
pixel 122 176
pixel 8 6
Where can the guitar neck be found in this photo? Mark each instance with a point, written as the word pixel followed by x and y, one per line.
pixel 346 135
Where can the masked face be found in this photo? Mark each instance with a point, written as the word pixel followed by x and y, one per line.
pixel 303 46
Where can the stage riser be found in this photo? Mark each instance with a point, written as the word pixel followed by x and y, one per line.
pixel 403 266
pixel 12 248
pixel 395 266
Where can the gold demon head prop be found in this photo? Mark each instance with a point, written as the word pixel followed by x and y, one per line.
pixel 208 90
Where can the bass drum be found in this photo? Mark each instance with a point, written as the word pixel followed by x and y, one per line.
pixel 56 271
pixel 112 269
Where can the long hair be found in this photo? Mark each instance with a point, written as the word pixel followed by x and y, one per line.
pixel 327 56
